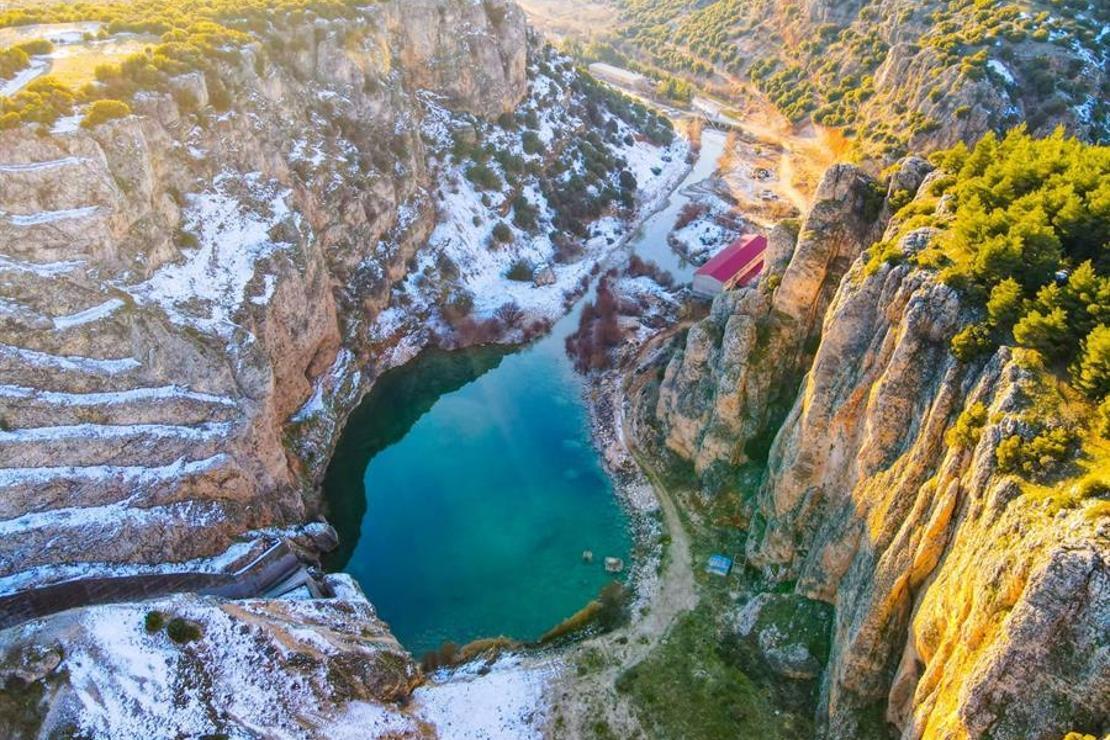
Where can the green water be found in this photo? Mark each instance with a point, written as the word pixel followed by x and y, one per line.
pixel 466 487
pixel 465 490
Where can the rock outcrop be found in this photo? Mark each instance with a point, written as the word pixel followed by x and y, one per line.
pixel 290 667
pixel 949 584
pixel 967 603
pixel 738 374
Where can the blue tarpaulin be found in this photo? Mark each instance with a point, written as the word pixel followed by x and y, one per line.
pixel 719 565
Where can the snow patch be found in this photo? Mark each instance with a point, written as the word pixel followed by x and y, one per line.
pixel 41 166
pixel 507 702
pixel 112 398
pixel 70 363
pixel 198 433
pixel 24 77
pixel 42 269
pixel 130 475
pixel 1000 69
pixel 50 217
pixel 233 237
pixel 89 315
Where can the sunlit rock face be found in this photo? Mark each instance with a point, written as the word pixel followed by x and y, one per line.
pixel 473 53
pixel 961 606
pixel 740 368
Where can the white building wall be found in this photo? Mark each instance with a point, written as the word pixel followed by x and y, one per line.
pixel 707 285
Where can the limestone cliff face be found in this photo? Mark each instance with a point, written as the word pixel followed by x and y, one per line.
pixel 481 72
pixel 740 368
pixel 962 606
pixel 175 283
pixel 966 604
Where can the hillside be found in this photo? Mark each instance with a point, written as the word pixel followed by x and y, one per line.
pixel 901 76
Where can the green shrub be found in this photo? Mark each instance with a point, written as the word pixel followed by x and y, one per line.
pixel 1095 488
pixel 105 110
pixel 1005 304
pixel 1037 455
pixel 502 233
pixel 531 142
pixel 483 176
pixel 13 61
pixel 971 342
pixel 36 47
pixel 614 601
pixel 1028 214
pixel 1045 332
pixel 521 271
pixel 154 621
pixel 42 101
pixel 182 631
pixel 1093 372
pixel 965 432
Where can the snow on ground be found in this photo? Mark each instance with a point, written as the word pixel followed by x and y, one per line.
pixel 361 721
pixel 713 229
pixel 72 363
pixel 1000 69
pixel 47 574
pixel 198 433
pixel 232 237
pixel 702 238
pixel 251 673
pixel 116 518
pixel 42 269
pixel 467 217
pixel 476 702
pixel 40 166
pixel 113 398
pixel 134 475
pixel 67 124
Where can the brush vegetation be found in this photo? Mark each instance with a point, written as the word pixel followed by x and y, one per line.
pixel 189 36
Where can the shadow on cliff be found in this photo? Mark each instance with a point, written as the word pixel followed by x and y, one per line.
pixel 399 398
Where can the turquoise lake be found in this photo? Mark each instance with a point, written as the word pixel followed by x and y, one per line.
pixel 465 487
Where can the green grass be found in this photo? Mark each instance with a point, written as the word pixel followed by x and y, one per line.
pixel 689 688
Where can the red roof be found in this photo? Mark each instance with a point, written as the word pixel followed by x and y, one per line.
pixel 735 257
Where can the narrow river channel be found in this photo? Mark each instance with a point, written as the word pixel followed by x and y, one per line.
pixel 465 487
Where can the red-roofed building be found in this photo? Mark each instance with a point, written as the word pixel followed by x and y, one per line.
pixel 735 266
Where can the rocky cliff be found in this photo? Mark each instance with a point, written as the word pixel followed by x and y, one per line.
pixel 731 384
pixel 968 602
pixel 176 280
